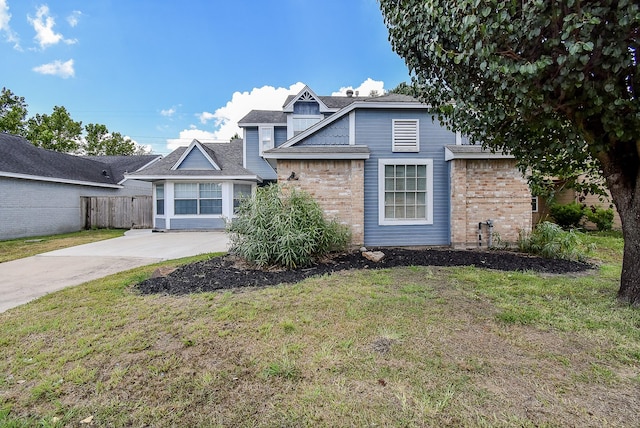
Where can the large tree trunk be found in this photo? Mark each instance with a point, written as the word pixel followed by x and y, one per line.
pixel 621 169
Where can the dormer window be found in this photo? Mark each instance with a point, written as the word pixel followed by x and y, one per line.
pixel 266 138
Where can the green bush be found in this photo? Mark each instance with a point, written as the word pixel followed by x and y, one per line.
pixel 550 241
pixel 287 229
pixel 568 216
pixel 602 218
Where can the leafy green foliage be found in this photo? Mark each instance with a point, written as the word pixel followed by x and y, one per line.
pixel 59 132
pixel 552 83
pixel 601 217
pixel 13 111
pixel 55 132
pixel 550 241
pixel 568 216
pixel 287 228
pixel 99 141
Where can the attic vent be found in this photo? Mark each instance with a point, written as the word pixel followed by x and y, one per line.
pixel 405 135
pixel 306 96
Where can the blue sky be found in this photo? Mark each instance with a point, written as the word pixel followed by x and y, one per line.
pixel 163 72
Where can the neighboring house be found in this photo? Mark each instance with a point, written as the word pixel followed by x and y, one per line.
pixel 383 165
pixel 41 190
pixel 197 187
pixel 566 195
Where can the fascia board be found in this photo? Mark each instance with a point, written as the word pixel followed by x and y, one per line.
pixel 58 180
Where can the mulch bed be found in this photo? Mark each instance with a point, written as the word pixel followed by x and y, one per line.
pixel 227 272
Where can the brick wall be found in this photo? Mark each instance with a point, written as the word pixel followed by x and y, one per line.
pixel 337 185
pixel 488 189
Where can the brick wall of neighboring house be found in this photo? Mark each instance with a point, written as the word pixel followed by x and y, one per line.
pixel 484 190
pixel 337 185
pixel 566 195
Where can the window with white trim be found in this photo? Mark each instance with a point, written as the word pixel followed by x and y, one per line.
pixel 534 204
pixel 301 123
pixel 405 135
pixel 240 192
pixel 266 138
pixel 198 198
pixel 405 191
pixel 160 199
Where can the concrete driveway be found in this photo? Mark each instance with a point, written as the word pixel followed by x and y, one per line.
pixel 26 279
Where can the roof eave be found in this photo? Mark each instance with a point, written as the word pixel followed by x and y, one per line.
pixel 59 180
pixel 479 155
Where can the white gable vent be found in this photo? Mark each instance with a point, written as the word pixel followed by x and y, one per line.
pixel 405 135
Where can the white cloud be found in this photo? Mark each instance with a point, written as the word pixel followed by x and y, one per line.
pixel 205 116
pixel 364 89
pixel 225 119
pixel 5 28
pixel 187 135
pixel 74 18
pixel 43 25
pixel 168 112
pixel 57 68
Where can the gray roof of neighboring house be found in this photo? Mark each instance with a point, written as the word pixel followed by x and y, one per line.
pixel 121 165
pixel 18 157
pixel 228 156
pixel 263 116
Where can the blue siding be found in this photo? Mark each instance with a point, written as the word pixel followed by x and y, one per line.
pixel 196 223
pixel 336 133
pixel 196 160
pixel 254 162
pixel 306 107
pixel 280 135
pixel 373 128
pixel 161 223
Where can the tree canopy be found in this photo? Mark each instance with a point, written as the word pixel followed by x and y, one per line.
pixel 59 132
pixel 553 83
pixel 13 111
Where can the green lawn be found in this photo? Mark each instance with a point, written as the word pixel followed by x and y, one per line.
pixel 415 346
pixel 25 247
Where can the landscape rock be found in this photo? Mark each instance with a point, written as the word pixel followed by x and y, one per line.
pixel 162 271
pixel 374 256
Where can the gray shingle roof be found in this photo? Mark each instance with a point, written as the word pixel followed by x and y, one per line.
pixel 19 156
pixel 264 116
pixel 228 156
pixel 120 165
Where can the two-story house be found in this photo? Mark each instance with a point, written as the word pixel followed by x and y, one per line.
pixel 383 165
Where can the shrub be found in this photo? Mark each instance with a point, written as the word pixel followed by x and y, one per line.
pixel 602 218
pixel 568 216
pixel 287 229
pixel 550 241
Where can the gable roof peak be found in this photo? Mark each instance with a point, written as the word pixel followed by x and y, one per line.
pixel 196 145
pixel 305 95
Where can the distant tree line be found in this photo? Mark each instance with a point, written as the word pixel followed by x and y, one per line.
pixel 59 132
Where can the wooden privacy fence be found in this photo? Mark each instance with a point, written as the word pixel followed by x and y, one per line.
pixel 117 212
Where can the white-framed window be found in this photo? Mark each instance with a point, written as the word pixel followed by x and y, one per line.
pixel 266 138
pixel 198 198
pixel 300 123
pixel 240 191
pixel 534 204
pixel 405 135
pixel 405 191
pixel 160 199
